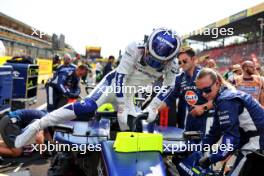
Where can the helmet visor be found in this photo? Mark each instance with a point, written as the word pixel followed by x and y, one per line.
pixel 154 63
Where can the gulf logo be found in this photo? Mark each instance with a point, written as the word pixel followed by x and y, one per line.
pixel 191 97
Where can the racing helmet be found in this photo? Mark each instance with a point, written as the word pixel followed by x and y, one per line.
pixel 162 45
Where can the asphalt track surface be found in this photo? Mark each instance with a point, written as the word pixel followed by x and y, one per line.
pixel 35 163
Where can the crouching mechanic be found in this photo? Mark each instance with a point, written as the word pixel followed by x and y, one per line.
pixel 140 65
pixel 13 124
pixel 239 120
pixel 64 85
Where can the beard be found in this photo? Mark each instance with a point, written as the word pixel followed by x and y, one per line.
pixel 249 72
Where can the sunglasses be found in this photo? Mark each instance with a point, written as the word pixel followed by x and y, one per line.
pixel 182 62
pixel 208 89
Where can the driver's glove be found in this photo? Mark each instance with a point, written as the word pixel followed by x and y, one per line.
pixel 152 114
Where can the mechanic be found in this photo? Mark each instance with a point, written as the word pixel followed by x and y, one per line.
pixel 67 63
pixel 239 120
pixel 56 62
pixel 189 96
pixel 13 123
pixel 140 65
pixel 64 85
pixel 109 66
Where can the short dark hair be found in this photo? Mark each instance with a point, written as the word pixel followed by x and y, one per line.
pixel 187 50
pixel 56 57
pixel 111 57
pixel 83 67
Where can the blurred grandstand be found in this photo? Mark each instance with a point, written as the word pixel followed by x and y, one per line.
pixel 20 39
pixel 246 43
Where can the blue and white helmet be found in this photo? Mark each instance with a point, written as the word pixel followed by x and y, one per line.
pixel 163 45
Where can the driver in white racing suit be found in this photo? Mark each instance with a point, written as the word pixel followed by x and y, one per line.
pixel 141 65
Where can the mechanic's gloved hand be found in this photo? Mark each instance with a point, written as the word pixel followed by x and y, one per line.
pixel 72 95
pixel 205 162
pixel 152 114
